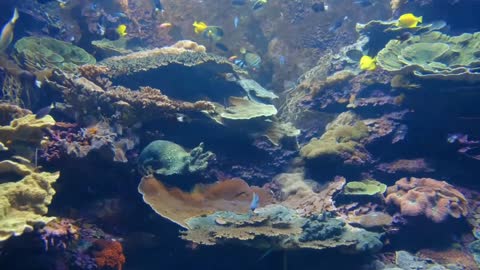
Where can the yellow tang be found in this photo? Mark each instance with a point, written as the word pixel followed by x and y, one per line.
pixel 409 20
pixel 368 63
pixel 122 30
pixel 199 27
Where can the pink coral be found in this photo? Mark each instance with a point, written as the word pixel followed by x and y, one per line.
pixel 437 200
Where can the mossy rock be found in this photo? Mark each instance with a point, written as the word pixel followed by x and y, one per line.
pixel 365 187
pixel 38 53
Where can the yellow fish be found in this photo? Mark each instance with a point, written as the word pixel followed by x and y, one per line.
pixel 409 20
pixel 199 27
pixel 122 30
pixel 368 63
pixel 7 32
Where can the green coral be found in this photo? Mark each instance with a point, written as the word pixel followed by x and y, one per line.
pixel 365 187
pixel 168 158
pixel 38 53
pixel 342 139
pixel 434 55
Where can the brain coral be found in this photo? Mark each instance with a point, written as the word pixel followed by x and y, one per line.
pixel 437 200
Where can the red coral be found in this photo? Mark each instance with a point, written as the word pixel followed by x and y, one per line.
pixel 435 199
pixel 108 254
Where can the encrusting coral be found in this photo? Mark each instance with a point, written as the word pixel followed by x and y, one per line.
pixel 366 187
pixel 24 134
pixel 437 200
pixel 24 202
pixel 342 141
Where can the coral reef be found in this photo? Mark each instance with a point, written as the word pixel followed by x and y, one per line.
pixel 167 158
pixel 24 198
pixel 424 196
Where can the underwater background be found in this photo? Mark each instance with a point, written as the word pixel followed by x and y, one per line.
pixel 239 134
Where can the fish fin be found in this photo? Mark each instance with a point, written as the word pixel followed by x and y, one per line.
pixel 15 16
pixel 420 19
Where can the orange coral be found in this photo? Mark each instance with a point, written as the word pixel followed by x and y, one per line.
pixel 109 254
pixel 435 199
pixel 178 206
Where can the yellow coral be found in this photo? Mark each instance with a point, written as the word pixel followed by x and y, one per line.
pixel 26 129
pixel 24 203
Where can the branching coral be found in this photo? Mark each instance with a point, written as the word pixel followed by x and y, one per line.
pixel 108 254
pixel 24 202
pixel 69 140
pixel 436 200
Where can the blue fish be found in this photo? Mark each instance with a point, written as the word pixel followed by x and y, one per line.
pixel 45 111
pixel 281 60
pixel 235 22
pixel 255 201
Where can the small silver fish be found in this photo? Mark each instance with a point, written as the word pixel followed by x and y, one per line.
pixel 6 36
pixel 255 201
pixel 236 20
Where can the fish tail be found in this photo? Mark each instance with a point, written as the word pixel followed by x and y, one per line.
pixel 15 16
pixel 420 19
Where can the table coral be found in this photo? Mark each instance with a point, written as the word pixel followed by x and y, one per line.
pixel 176 205
pixel 24 202
pixel 434 55
pixel 437 200
pixel 168 158
pixel 38 53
